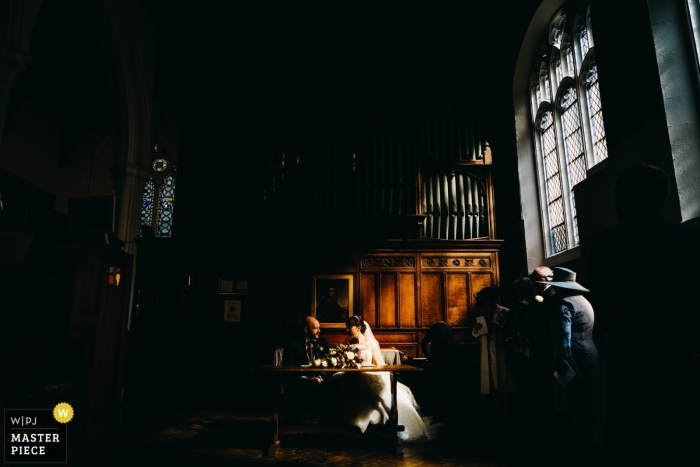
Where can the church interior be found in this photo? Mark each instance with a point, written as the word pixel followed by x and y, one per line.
pixel 183 183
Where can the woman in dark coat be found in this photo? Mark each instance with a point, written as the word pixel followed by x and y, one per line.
pixel 575 356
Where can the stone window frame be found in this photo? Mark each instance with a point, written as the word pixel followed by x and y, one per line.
pixel 560 51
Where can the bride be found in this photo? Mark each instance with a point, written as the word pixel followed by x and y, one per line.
pixel 366 397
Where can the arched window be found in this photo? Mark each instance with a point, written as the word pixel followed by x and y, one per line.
pixel 166 196
pixel 147 204
pixel 568 122
pixel 159 197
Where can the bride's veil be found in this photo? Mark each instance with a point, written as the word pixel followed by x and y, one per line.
pixel 374 344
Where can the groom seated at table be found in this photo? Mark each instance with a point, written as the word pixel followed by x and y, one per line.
pixel 303 349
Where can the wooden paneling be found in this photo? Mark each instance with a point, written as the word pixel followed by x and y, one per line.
pixel 431 298
pixel 395 338
pixel 478 281
pixel 457 307
pixel 407 300
pixel 387 300
pixel 368 297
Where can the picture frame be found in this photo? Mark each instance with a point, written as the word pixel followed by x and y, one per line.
pixel 332 299
pixel 232 287
pixel 232 311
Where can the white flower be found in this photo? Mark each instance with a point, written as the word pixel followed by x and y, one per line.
pixel 317 362
pixel 350 356
pixel 323 364
pixel 539 298
pixel 334 361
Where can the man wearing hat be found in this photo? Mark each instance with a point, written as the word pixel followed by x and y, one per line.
pixel 575 356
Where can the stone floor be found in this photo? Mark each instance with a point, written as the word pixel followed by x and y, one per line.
pixel 214 438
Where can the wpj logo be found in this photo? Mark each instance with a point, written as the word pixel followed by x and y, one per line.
pixel 37 435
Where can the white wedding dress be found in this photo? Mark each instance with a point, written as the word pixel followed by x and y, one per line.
pixel 365 398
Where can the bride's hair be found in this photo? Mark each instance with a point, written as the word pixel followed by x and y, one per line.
pixel 356 321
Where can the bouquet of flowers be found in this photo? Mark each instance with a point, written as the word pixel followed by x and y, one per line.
pixel 343 356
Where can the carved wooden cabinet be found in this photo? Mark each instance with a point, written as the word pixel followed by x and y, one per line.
pixel 402 294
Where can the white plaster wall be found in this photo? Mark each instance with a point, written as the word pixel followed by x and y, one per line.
pixel 679 85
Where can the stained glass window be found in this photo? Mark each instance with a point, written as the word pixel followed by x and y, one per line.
pixel 159 165
pixel 158 198
pixel 166 198
pixel 147 203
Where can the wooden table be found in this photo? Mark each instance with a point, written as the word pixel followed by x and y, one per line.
pixel 393 424
pixel 390 356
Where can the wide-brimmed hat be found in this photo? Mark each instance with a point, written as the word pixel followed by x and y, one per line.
pixel 566 279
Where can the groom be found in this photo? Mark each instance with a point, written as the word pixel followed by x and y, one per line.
pixel 303 350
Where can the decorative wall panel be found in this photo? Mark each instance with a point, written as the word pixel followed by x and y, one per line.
pixel 456 262
pixel 387 300
pixel 368 298
pixel 431 298
pixel 386 262
pixel 407 300
pixel 478 281
pixel 457 303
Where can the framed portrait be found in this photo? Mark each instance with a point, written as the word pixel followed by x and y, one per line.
pixel 331 299
pixel 233 287
pixel 232 311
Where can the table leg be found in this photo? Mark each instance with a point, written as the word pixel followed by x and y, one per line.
pixel 396 428
pixel 274 446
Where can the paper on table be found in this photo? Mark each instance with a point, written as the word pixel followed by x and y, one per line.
pixel 566 375
pixel 485 328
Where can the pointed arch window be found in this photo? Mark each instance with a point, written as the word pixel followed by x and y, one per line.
pixel 568 121
pixel 166 197
pixel 147 204
pixel 157 207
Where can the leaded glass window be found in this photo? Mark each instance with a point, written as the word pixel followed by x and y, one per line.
pixel 166 198
pixel 147 203
pixel 573 146
pixel 554 191
pixel 571 134
pixel 558 71
pixel 159 197
pixel 694 13
pixel 600 147
pixel 584 42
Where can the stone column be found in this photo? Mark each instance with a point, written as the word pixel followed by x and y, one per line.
pixel 129 180
pixel 17 18
pixel 13 62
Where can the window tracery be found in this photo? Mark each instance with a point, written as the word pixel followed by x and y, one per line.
pixel 157 206
pixel 570 134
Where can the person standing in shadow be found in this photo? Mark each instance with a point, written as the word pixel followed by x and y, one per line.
pixel 642 273
pixel 442 350
pixel 496 358
pixel 576 367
